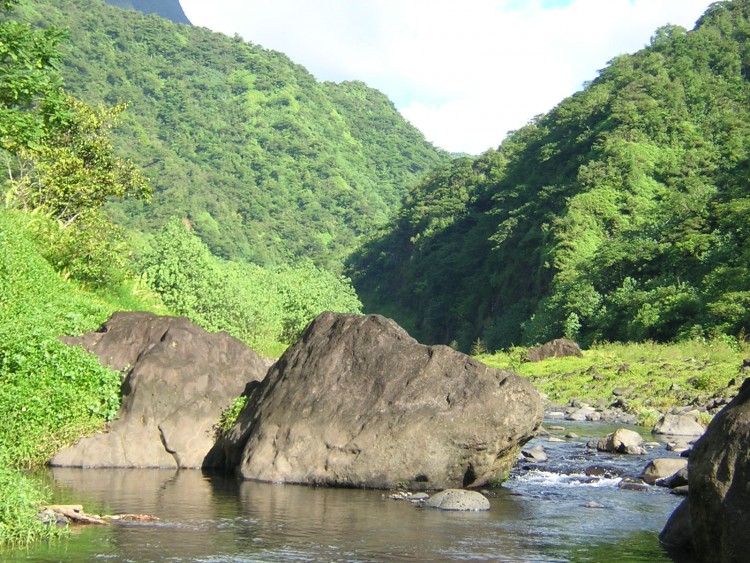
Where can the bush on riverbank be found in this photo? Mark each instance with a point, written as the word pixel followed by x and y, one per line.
pixel 648 376
pixel 51 393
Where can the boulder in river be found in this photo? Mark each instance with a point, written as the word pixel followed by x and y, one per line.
pixel 718 477
pixel 622 441
pixel 678 425
pixel 662 467
pixel 179 379
pixel 535 453
pixel 357 402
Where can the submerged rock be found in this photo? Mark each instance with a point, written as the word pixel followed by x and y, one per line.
pixel 179 380
pixel 357 402
pixel 458 499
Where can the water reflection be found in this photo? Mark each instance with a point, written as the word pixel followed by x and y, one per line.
pixel 545 515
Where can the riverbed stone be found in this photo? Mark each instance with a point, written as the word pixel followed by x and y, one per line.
pixel 357 402
pixel 661 468
pixel 458 499
pixel 535 453
pixel 622 441
pixel 678 479
pixel 678 425
pixel 178 379
pixel 581 414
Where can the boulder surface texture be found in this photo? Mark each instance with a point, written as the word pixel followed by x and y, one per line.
pixel 179 379
pixel 357 402
pixel 719 481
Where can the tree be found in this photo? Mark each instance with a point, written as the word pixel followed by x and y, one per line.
pixel 75 171
pixel 29 83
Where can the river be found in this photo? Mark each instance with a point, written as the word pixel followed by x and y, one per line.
pixel 552 512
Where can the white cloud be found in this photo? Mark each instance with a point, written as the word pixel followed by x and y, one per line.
pixel 465 73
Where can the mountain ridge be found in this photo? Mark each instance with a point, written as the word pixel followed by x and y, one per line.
pixel 168 9
pixel 614 217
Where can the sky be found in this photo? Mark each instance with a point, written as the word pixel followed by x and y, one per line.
pixel 464 72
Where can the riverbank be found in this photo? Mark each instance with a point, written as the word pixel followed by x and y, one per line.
pixel 640 380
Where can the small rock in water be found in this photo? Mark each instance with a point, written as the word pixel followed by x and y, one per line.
pixel 661 468
pixel 458 499
pixel 572 435
pixel 630 484
pixel 557 428
pixel 601 471
pixel 555 439
pixel 594 504
pixel 535 453
pixel 622 441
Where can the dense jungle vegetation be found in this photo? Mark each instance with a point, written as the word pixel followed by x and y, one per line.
pixel 621 215
pixel 267 164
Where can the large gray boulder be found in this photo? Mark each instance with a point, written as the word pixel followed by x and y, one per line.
pixel 357 402
pixel 179 379
pixel 719 481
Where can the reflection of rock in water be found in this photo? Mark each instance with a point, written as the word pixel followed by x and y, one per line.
pixel 184 501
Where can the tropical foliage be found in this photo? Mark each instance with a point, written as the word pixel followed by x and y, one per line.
pixel 264 307
pixel 268 165
pixel 620 215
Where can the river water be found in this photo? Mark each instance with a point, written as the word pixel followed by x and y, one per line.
pixel 548 512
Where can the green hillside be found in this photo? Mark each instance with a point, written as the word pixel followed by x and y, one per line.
pixel 265 163
pixel 620 215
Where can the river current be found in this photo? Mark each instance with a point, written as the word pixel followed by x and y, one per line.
pixel 546 512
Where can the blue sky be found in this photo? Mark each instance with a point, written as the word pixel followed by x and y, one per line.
pixel 466 72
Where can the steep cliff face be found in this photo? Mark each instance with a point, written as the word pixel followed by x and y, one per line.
pixel 169 9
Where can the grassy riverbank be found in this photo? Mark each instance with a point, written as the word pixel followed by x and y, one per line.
pixel 650 377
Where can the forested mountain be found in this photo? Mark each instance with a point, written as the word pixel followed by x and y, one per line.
pixel 266 164
pixel 169 9
pixel 622 214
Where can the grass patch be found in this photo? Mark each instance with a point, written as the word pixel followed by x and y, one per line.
pixel 21 500
pixel 651 376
